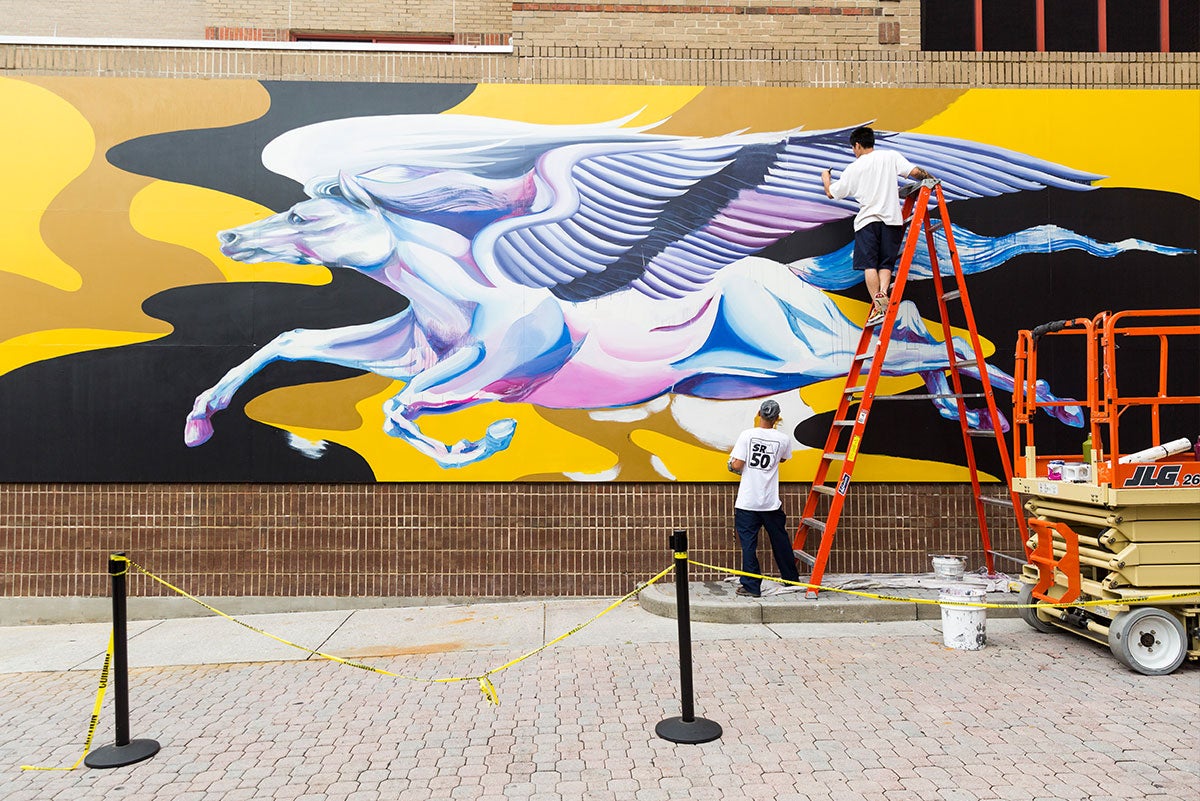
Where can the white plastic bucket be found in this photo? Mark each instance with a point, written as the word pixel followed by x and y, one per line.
pixel 948 567
pixel 963 627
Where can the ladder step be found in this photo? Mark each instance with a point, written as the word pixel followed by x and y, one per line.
pixel 835 457
pixel 843 422
pixel 859 357
pixel 823 489
pixel 805 557
pixel 966 363
pixel 930 397
pixel 854 390
pixel 999 555
pixel 1004 502
pixel 815 525
pixel 971 432
pixel 952 294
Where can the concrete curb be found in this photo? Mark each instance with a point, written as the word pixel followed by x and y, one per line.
pixel 717 602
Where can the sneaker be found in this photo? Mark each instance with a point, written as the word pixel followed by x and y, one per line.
pixel 878 309
pixel 743 591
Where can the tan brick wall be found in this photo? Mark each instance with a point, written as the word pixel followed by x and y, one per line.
pixel 188 19
pixel 134 19
pixel 629 65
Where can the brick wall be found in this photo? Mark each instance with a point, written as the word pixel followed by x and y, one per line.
pixel 132 19
pixel 625 65
pixel 190 19
pixel 430 540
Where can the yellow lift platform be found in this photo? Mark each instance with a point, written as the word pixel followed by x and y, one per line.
pixel 1117 531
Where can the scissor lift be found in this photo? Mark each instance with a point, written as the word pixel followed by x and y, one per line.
pixel 1110 531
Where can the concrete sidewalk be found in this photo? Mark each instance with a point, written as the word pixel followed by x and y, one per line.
pixel 880 711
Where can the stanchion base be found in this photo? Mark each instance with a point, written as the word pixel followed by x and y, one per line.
pixel 118 756
pixel 678 730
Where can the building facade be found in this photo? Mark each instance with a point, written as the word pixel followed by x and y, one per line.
pixel 121 64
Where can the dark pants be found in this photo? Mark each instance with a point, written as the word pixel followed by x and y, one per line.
pixel 877 246
pixel 748 524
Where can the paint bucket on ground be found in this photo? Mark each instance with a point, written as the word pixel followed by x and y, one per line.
pixel 948 567
pixel 963 627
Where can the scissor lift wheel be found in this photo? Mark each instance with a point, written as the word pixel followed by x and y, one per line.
pixel 1031 616
pixel 1148 639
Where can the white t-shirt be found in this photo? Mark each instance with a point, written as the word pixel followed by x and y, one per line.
pixel 762 449
pixel 871 180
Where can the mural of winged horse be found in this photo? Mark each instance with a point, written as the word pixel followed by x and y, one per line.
pixel 583 267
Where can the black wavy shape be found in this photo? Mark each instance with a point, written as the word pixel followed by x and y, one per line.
pixel 229 159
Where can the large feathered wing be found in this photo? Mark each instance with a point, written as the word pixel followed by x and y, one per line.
pixel 663 216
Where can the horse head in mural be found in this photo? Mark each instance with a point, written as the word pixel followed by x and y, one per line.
pixel 584 267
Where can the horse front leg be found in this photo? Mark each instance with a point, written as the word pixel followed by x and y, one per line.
pixel 389 347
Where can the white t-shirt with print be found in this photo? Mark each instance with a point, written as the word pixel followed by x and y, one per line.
pixel 871 180
pixel 762 449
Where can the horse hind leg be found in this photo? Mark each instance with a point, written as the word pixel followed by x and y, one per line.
pixel 399 422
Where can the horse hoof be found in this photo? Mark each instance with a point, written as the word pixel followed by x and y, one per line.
pixel 197 431
pixel 500 433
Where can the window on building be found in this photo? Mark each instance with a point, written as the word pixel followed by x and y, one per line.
pixel 377 38
pixel 1103 26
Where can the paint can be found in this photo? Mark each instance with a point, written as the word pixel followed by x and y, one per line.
pixel 1074 471
pixel 963 627
pixel 948 567
pixel 1054 470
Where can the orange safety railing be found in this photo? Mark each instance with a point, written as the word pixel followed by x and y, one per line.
pixel 1104 403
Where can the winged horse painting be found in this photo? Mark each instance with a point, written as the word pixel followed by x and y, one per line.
pixel 584 267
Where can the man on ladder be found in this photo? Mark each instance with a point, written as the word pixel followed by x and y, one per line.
pixel 879 225
pixel 879 232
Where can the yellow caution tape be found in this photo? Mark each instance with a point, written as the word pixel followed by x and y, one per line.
pixel 87 746
pixel 485 684
pixel 937 602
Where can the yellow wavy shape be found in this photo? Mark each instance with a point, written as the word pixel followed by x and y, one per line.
pixel 1145 138
pixel 538 447
pixel 45 143
pixel 41 345
pixel 191 216
pixel 576 104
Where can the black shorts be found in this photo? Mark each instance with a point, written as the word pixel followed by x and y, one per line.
pixel 877 246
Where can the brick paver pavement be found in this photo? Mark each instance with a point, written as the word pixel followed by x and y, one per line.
pixel 894 717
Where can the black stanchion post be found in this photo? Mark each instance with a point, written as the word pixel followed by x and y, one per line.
pixel 687 728
pixel 124 751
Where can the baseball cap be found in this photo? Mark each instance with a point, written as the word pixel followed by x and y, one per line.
pixel 769 410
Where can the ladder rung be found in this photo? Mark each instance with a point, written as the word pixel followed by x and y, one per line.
pixel 843 422
pixel 1005 502
pixel 866 354
pixel 815 525
pixel 952 294
pixel 854 390
pixel 973 432
pixel 929 397
pixel 805 557
pixel 966 363
pixel 835 457
pixel 823 489
pixel 1009 558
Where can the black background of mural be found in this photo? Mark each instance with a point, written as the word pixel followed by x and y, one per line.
pixel 118 414
pixel 1037 288
pixel 229 159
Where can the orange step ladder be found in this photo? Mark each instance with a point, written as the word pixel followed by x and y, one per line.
pixel 843 444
